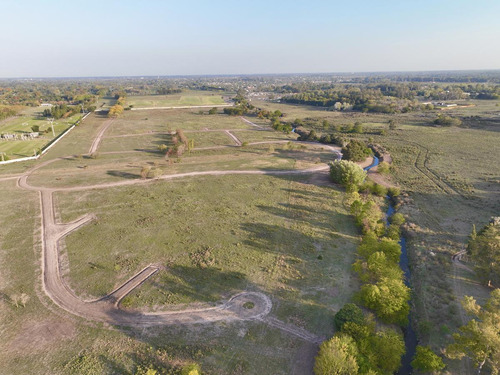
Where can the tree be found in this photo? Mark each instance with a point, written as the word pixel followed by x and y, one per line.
pixel 356 151
pixel 145 171
pixel 212 111
pixel 337 356
pixel 348 313
pixel 392 124
pixel 358 128
pixel 426 360
pixel 115 110
pixel 388 298
pixel 479 339
pixel 191 369
pixel 347 173
pixel 484 250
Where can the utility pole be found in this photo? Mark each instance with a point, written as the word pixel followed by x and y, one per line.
pixel 51 120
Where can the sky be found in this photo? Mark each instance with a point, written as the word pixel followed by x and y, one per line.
pixel 49 38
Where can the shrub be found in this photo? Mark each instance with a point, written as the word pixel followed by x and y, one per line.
pixel 379 190
pixel 393 192
pixel 447 121
pixel 384 168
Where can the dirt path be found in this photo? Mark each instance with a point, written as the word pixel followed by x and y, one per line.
pixel 97 141
pixel 119 293
pixel 251 123
pixel 236 140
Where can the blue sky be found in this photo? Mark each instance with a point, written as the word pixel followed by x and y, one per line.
pixel 153 37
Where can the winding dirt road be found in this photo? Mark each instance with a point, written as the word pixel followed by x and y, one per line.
pixel 107 309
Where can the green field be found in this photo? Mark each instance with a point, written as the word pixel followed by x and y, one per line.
pixel 290 237
pixel 264 233
pixel 22 124
pixel 188 98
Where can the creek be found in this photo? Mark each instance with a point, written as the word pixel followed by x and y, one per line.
pixel 409 334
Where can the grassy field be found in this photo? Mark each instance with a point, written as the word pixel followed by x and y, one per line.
pixel 214 236
pixel 188 98
pixel 263 233
pixel 22 124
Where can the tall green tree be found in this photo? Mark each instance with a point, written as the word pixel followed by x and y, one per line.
pixel 484 250
pixel 479 339
pixel 337 356
pixel 347 173
pixel 426 360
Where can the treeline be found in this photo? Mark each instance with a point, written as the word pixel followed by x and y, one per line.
pixel 382 97
pixel 60 111
pixel 8 111
pixel 168 91
pixel 358 345
pixel 242 106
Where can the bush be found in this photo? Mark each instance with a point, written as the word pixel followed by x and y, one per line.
pixel 393 192
pixel 191 369
pixel 447 121
pixel 384 168
pixel 379 190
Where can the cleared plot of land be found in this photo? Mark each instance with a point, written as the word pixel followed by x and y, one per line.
pixel 189 98
pixel 216 235
pixel 139 122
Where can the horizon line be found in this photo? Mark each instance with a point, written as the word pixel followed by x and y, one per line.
pixel 253 74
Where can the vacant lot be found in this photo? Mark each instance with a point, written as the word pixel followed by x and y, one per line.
pixel 212 236
pixel 189 98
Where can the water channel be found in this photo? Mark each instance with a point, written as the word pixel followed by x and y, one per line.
pixel 410 336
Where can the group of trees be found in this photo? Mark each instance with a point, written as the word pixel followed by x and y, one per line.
pixel 8 111
pixel 242 106
pixel 383 289
pixel 358 347
pixel 383 97
pixel 479 339
pixel 60 111
pixel 180 143
pixel 115 110
pixel 484 250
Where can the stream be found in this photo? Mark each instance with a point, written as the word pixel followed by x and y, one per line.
pixel 410 336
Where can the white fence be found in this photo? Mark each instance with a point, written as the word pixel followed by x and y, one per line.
pixel 49 146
